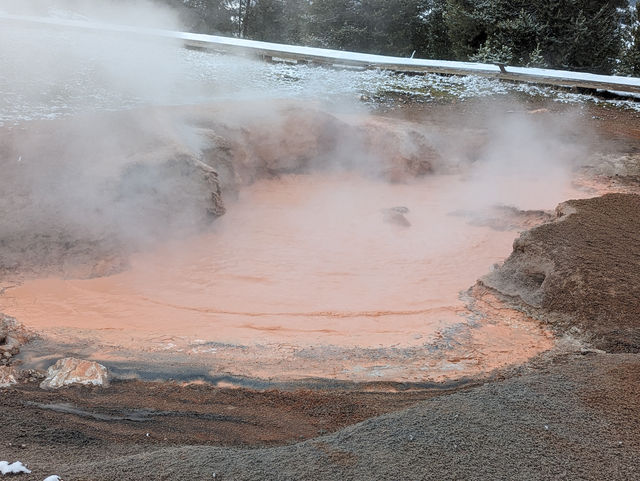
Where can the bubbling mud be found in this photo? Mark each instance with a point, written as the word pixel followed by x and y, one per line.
pixel 322 263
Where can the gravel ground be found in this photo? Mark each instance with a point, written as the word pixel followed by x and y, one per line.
pixel 577 417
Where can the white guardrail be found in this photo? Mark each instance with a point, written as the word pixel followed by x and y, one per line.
pixel 269 51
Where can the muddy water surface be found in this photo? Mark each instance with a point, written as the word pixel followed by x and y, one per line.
pixel 301 264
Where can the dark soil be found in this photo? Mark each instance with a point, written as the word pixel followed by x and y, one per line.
pixel 47 428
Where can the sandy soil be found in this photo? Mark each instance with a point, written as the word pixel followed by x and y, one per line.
pixel 569 414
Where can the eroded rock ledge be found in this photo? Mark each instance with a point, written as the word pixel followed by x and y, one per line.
pixel 80 194
pixel 582 269
pixel 12 336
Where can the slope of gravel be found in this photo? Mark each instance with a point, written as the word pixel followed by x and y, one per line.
pixel 578 418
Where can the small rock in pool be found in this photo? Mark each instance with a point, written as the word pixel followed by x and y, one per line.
pixel 400 209
pixel 395 215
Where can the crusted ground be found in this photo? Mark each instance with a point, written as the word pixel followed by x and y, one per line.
pixel 582 270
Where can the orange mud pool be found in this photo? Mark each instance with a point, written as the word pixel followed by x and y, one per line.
pixel 325 275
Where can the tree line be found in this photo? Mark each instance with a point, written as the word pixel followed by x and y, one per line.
pixel 601 36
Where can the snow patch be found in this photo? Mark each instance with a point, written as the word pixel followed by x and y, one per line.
pixel 13 468
pixel 207 76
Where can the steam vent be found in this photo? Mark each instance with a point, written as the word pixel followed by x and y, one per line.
pixel 243 260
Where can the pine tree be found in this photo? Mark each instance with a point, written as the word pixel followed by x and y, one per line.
pixel 335 24
pixel 570 34
pixel 580 34
pixel 430 35
pixel 630 54
pixel 573 34
pixel 536 58
pixel 205 16
pixel 266 21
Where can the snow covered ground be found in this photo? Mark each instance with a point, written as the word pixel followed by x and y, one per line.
pixel 51 72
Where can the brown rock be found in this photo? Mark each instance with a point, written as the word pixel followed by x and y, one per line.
pixel 12 335
pixel 8 376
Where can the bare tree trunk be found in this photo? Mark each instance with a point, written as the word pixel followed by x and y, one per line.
pixel 245 20
pixel 240 17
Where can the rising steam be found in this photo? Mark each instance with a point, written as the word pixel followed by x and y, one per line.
pixel 135 177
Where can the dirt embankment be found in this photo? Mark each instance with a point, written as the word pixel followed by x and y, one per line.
pixel 582 269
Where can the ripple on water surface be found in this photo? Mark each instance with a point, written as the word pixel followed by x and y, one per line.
pixel 325 271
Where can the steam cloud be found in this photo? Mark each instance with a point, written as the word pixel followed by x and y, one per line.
pixel 125 178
